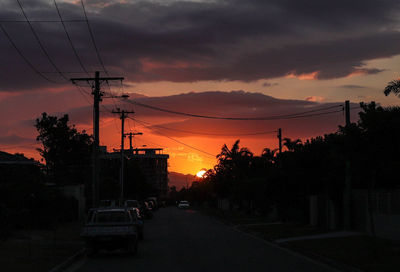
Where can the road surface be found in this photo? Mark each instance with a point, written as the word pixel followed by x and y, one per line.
pixel 184 240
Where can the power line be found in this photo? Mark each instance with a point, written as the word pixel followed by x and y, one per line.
pixel 275 117
pixel 309 115
pixel 23 56
pixel 42 21
pixel 148 141
pixel 67 72
pixel 39 42
pixel 92 38
pixel 204 133
pixel 69 39
pixel 107 110
pixel 192 147
pixel 83 92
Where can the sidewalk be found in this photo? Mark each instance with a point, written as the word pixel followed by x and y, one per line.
pixel 335 234
pixel 39 250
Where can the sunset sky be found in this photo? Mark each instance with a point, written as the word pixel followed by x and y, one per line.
pixel 231 58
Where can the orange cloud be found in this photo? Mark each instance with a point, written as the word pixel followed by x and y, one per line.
pixel 305 76
pixel 315 98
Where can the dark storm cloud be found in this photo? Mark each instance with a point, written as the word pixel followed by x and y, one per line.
pixel 192 41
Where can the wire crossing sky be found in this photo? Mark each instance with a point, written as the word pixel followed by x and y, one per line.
pixel 204 71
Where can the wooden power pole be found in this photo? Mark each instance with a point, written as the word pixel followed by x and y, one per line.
pixel 280 140
pixel 130 136
pixel 97 94
pixel 123 115
pixel 347 185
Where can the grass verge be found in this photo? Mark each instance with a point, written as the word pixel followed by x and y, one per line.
pixel 364 252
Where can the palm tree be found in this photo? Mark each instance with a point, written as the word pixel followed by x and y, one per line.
pixel 234 161
pixel 269 154
pixel 291 145
pixel 393 87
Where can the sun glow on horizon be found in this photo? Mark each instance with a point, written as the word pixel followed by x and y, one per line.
pixel 201 173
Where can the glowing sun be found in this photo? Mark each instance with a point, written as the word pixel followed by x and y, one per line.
pixel 201 173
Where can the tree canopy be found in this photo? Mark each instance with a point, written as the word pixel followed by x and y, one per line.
pixel 315 166
pixel 65 150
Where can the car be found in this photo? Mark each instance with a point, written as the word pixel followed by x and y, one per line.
pixel 110 229
pixel 183 204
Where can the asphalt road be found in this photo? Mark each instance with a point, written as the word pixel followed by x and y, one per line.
pixel 184 240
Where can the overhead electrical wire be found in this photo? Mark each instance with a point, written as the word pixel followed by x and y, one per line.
pixel 42 47
pixel 275 117
pixel 41 21
pixel 148 141
pixel 24 57
pixel 203 133
pixel 92 38
pixel 83 93
pixel 69 39
pixel 309 115
pixel 192 147
pixel 40 43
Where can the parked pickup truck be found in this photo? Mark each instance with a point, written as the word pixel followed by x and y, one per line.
pixel 110 229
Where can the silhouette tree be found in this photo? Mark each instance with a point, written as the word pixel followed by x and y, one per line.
pixel 392 87
pixel 269 154
pixel 66 151
pixel 291 145
pixel 235 161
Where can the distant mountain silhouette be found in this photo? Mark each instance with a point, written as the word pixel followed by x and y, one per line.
pixel 179 180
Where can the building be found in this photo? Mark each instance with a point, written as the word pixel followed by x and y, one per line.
pixel 152 162
pixel 16 167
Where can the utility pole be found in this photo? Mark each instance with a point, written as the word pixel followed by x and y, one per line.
pixel 123 116
pixel 130 135
pixel 347 112
pixel 97 94
pixel 280 140
pixel 347 185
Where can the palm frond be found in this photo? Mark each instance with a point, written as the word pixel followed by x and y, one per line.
pixel 392 87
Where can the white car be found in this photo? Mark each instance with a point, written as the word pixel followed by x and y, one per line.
pixel 183 204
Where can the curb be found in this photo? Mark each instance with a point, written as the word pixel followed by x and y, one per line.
pixel 68 262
